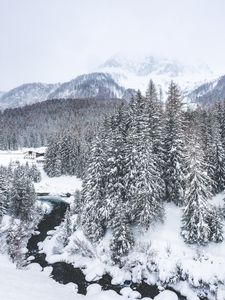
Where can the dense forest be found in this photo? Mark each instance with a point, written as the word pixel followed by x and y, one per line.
pixel 18 202
pixel 144 155
pixel 132 162
pixel 34 125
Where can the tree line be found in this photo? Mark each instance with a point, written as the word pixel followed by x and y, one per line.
pixel 35 125
pixel 19 212
pixel 147 154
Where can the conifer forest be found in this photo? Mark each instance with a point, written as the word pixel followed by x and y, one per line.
pixel 112 150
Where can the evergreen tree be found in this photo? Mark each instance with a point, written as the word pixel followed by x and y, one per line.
pixel 4 191
pixel 76 205
pixel 16 239
pixel 52 163
pixel 122 240
pixel 153 107
pixel 197 212
pixel 65 229
pixel 218 151
pixel 216 225
pixel 116 167
pixel 174 147
pixel 22 199
pixel 150 191
pixel 34 173
pixel 92 218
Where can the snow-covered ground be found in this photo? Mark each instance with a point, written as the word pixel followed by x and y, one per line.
pixel 54 186
pixel 160 255
pixel 34 284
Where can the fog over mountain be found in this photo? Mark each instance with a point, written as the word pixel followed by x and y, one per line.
pixel 117 77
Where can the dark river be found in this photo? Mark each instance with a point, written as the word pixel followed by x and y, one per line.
pixel 64 272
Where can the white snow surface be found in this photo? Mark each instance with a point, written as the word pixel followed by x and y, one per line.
pixel 55 186
pixel 158 255
pixel 135 71
pixel 34 284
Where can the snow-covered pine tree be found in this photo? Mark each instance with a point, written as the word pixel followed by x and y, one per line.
pixel 34 173
pixel 174 146
pixel 153 109
pixel 198 211
pixel 76 205
pixel 218 151
pixel 65 229
pixel 123 239
pixel 150 188
pixel 52 165
pixel 219 115
pixel 69 153
pixel 216 225
pixel 144 186
pixel 16 241
pixel 115 165
pixel 93 193
pixel 22 199
pixel 4 190
pixel 58 167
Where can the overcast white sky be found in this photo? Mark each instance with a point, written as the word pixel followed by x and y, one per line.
pixel 55 40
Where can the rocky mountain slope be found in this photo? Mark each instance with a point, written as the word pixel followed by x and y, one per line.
pixel 135 72
pixel 209 92
pixel 119 77
pixel 93 85
pixel 26 94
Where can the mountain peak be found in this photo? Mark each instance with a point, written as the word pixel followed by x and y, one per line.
pixel 134 71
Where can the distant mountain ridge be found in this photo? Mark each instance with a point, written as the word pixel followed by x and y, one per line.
pixel 119 77
pixel 93 85
pixel 26 94
pixel 135 72
pixel 209 92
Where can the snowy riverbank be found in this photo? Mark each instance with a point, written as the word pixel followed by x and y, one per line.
pixel 160 256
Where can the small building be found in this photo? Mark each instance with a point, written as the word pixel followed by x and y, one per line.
pixel 31 154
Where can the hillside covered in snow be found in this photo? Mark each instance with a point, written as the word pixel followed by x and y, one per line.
pixel 118 77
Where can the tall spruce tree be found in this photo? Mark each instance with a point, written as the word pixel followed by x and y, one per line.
pixel 65 229
pixel 174 146
pixel 115 168
pixel 22 199
pixel 218 150
pixel 144 186
pixel 216 225
pixel 153 109
pixel 123 239
pixel 197 212
pixel 4 190
pixel 93 193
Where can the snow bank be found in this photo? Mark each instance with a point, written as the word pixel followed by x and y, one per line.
pixel 34 284
pixel 166 295
pixel 54 186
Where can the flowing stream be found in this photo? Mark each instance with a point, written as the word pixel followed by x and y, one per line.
pixel 64 272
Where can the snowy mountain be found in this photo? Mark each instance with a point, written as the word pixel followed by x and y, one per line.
pixel 93 85
pixel 26 94
pixel 119 77
pixel 209 92
pixel 135 72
